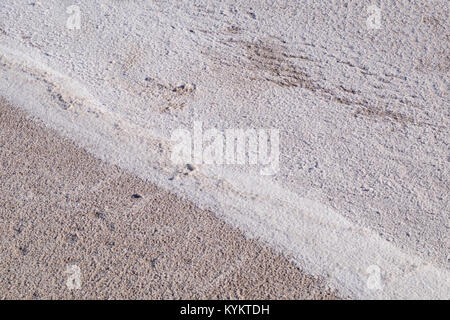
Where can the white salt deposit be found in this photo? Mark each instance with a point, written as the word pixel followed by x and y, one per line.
pixel 360 101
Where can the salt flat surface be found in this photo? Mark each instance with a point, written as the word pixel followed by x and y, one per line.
pixel 361 194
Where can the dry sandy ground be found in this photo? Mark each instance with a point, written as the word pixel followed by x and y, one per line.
pixel 62 207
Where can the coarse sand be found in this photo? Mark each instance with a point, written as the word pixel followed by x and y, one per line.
pixel 63 210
